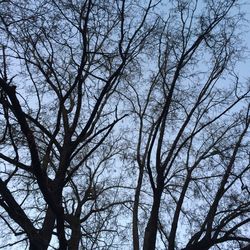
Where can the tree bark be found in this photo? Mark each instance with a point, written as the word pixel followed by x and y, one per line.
pixel 75 234
pixel 48 226
pixel 151 229
pixel 136 243
pixel 172 234
pixel 37 245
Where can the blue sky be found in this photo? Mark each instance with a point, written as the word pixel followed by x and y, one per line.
pixel 244 66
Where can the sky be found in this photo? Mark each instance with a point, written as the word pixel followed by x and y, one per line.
pixel 244 66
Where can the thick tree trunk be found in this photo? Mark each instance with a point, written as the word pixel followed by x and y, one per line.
pixel 38 244
pixel 75 235
pixel 48 226
pixel 151 229
pixel 60 229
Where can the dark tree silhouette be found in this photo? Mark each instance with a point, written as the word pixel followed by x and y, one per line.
pixel 62 62
pixel 192 137
pixel 124 124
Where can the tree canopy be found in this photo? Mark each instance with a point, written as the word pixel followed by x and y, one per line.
pixel 124 125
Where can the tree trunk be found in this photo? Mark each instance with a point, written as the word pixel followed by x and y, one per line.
pixel 172 234
pixel 136 243
pixel 37 244
pixel 151 229
pixel 75 235
pixel 48 226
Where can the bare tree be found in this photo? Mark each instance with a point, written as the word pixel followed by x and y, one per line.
pixel 193 133
pixel 123 124
pixel 62 62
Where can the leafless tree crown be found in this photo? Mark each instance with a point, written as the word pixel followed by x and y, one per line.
pixel 123 125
